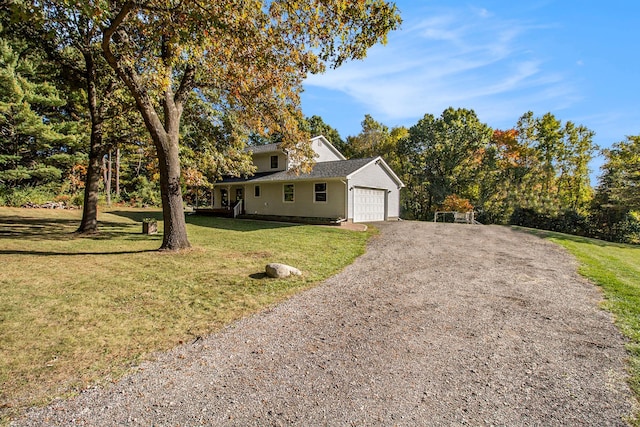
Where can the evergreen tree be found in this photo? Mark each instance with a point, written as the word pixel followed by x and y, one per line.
pixel 35 148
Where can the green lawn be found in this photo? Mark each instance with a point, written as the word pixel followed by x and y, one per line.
pixel 79 310
pixel 616 269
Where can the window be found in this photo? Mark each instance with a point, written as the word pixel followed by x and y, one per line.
pixel 274 162
pixel 288 191
pixel 256 191
pixel 320 192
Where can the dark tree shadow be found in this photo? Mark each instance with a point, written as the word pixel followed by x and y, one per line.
pixel 237 224
pixel 138 216
pixel 53 253
pixel 569 237
pixel 63 229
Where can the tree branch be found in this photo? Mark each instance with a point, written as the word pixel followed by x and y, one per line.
pixel 186 85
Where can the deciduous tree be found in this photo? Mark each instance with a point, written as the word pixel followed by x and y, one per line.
pixel 446 155
pixel 620 179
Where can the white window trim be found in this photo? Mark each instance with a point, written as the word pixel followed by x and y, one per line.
pixel 293 187
pixel 326 192
pixel 277 162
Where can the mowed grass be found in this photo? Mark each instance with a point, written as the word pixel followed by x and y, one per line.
pixel 616 269
pixel 75 311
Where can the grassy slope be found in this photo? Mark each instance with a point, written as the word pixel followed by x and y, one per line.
pixel 616 269
pixel 76 310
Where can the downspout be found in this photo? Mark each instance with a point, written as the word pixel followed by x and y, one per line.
pixel 346 200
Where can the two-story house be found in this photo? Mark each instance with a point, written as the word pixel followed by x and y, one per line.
pixel 357 190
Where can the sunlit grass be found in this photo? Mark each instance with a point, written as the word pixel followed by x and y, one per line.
pixel 79 310
pixel 616 269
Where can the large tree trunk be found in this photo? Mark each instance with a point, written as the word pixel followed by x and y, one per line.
pixel 166 137
pixel 175 228
pixel 89 222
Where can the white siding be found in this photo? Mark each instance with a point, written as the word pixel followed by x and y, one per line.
pixel 324 152
pixel 263 161
pixel 374 176
pixel 271 200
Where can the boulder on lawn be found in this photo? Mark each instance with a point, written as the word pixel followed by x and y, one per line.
pixel 278 271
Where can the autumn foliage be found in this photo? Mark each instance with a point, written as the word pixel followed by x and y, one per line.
pixel 453 203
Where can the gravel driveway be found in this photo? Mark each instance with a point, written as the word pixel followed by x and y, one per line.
pixel 437 324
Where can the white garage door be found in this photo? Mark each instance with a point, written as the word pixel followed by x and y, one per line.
pixel 368 205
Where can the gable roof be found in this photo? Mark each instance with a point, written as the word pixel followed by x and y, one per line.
pixel 321 170
pixel 336 169
pixel 333 169
pixel 275 147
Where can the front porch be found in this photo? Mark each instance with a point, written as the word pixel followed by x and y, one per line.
pixel 232 211
pixel 222 201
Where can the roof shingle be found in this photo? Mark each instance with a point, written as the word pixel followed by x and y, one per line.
pixel 322 170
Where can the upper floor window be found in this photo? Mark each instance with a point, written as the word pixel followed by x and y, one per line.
pixel 320 192
pixel 274 162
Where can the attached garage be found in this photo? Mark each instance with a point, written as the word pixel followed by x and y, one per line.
pixel 369 204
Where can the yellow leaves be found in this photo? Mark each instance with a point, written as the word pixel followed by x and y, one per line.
pixel 453 203
pixel 192 177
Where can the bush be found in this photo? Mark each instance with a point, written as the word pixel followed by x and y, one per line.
pixel 627 230
pixel 144 193
pixel 20 196
pixel 453 203
pixel 570 221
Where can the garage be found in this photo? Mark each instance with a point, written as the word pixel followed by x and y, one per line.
pixel 368 204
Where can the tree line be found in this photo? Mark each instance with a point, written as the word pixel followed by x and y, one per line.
pixel 535 174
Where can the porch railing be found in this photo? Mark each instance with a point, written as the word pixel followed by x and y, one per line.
pixel 237 209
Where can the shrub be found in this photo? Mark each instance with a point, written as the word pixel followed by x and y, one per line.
pixel 627 230
pixel 453 203
pixel 569 221
pixel 144 193
pixel 20 196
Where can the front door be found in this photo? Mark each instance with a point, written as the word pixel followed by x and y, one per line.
pixel 224 198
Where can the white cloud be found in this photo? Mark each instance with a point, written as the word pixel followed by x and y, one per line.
pixel 463 58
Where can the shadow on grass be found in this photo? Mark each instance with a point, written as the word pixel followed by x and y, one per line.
pixel 258 276
pixel 53 253
pixel 138 216
pixel 63 229
pixel 236 224
pixel 545 234
pixel 209 221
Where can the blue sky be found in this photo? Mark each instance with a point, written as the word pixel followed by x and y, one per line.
pixel 579 60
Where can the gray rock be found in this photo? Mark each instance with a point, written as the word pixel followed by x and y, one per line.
pixel 279 271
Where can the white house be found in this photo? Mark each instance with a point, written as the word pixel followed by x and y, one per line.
pixel 357 190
